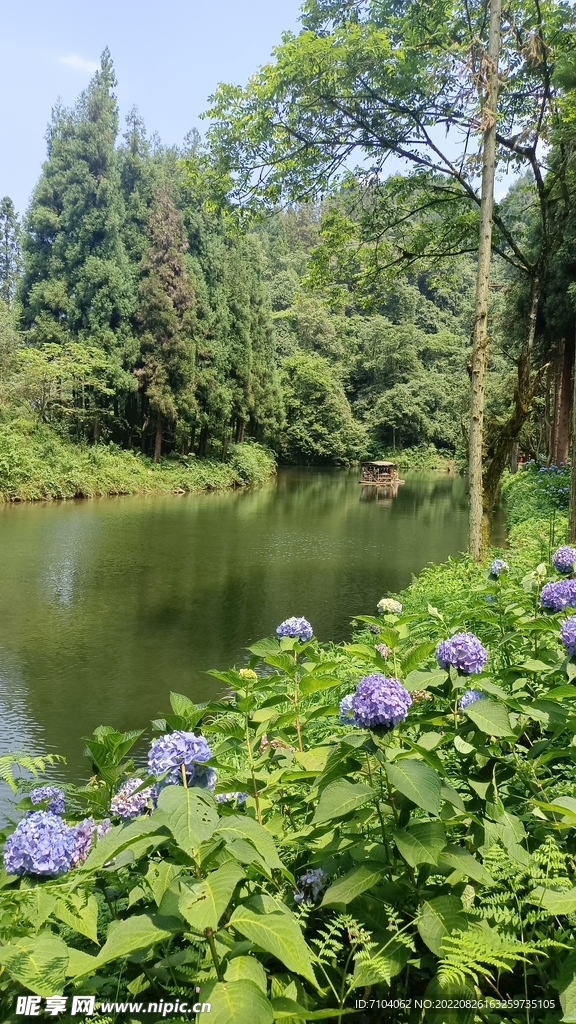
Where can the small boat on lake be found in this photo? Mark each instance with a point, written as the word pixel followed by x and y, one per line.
pixel 380 474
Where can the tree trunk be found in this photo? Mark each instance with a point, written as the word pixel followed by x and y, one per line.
pixel 203 442
pixel 240 428
pixel 158 441
pixel 225 443
pixel 560 454
pixel 572 520
pixel 477 540
pixel 192 438
pixel 508 433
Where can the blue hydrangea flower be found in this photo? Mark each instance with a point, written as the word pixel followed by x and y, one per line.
pixel 42 844
pixel 464 651
pixel 568 635
pixel 296 628
pixel 469 697
pixel 170 752
pixel 126 803
pixel 388 606
pixel 224 798
pixel 53 794
pixel 498 566
pixel 85 832
pixel 377 701
pixel 346 711
pixel 563 559
pixel 558 596
pixel 312 885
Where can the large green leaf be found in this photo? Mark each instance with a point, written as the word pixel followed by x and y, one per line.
pixel 118 839
pixel 566 983
pixel 37 904
pixel 272 926
pixel 237 1002
pixel 204 903
pixel 240 826
pixel 79 911
pixel 247 968
pixel 138 932
pixel 341 797
pixel 490 717
pixel 554 901
pixel 354 882
pixel 461 860
pixel 421 843
pixel 37 963
pixel 440 916
pixel 418 781
pixel 190 815
pixel 387 958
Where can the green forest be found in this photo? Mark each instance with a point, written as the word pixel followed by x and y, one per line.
pixel 139 314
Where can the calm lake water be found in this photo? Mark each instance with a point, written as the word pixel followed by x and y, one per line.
pixel 107 605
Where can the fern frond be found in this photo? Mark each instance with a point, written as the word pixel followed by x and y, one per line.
pixel 479 953
pixel 36 765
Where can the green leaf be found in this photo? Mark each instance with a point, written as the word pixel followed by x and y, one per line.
pixel 79 911
pixel 386 960
pixel 440 916
pixel 341 797
pixel 237 1002
pixel 37 905
pixel 554 901
pixel 118 839
pixel 416 656
pixel 418 781
pixel 240 826
pixel 160 876
pixel 461 860
pixel 247 968
pixel 354 882
pixel 417 680
pixel 490 717
pixel 421 843
pixel 37 963
pixel 138 932
pixel 285 1009
pixel 263 648
pixel 190 815
pixel 272 926
pixel 204 903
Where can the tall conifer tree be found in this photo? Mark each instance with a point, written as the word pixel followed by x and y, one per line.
pixel 166 304
pixel 9 250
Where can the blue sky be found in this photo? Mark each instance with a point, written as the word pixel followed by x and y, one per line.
pixel 169 56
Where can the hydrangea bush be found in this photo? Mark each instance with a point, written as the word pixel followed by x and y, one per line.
pixel 323 834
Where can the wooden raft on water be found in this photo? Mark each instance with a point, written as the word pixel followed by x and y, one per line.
pixel 380 474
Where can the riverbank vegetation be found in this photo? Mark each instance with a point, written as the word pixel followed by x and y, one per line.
pixel 38 463
pixel 385 819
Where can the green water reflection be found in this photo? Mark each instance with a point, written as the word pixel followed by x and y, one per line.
pixel 107 605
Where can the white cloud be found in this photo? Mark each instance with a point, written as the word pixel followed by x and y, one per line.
pixel 80 63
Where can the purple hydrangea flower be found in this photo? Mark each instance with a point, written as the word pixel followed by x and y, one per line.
pixel 378 701
pixel 464 651
pixel 42 844
pixel 127 803
pixel 347 716
pixel 469 697
pixel 558 596
pixel 498 566
pixel 311 886
pixel 388 606
pixel 53 794
pixel 170 752
pixel 568 635
pixel 296 628
pixel 84 833
pixel 564 558
pixel 224 798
